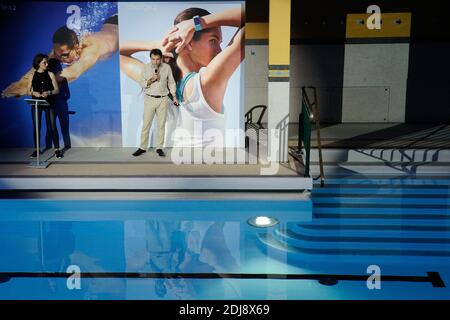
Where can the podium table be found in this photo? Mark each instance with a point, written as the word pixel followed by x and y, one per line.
pixel 37 103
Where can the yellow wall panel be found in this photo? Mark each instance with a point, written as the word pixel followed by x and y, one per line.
pixel 279 31
pixel 256 31
pixel 390 28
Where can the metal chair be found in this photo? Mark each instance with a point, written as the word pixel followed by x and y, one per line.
pixel 249 124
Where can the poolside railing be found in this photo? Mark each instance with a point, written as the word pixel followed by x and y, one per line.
pixel 309 114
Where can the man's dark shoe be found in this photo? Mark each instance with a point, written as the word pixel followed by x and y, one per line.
pixel 138 152
pixel 34 154
pixel 58 154
pixel 160 153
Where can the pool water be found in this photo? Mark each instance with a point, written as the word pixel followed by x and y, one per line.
pixel 206 249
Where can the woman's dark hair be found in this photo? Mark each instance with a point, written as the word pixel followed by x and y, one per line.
pixel 182 16
pixel 37 60
pixel 66 36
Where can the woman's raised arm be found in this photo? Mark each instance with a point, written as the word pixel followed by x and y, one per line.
pixel 181 34
pixel 132 67
pixel 215 79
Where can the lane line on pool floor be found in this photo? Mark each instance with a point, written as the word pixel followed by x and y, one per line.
pixel 327 279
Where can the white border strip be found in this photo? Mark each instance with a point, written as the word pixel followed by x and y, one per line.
pixel 156 183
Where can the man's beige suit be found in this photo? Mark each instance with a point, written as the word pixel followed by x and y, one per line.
pixel 156 101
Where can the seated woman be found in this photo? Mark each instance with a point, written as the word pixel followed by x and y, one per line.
pixel 43 85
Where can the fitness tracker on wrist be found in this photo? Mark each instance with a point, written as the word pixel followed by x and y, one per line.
pixel 197 23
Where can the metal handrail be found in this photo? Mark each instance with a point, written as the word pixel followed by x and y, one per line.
pixel 310 112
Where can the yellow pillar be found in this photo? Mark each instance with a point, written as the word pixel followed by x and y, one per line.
pixel 278 81
pixel 279 32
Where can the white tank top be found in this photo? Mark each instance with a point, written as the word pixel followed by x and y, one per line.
pixel 195 123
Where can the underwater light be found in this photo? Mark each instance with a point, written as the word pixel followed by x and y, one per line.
pixel 262 222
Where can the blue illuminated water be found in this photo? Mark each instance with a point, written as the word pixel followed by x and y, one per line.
pixel 400 225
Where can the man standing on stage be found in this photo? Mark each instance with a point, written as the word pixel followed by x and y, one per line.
pixel 157 81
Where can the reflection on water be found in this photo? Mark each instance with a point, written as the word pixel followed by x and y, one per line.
pixel 135 246
pixel 181 247
pixel 75 243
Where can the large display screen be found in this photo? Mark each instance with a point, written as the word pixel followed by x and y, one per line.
pixel 101 48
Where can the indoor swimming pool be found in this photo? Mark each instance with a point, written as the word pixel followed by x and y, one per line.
pixel 326 248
